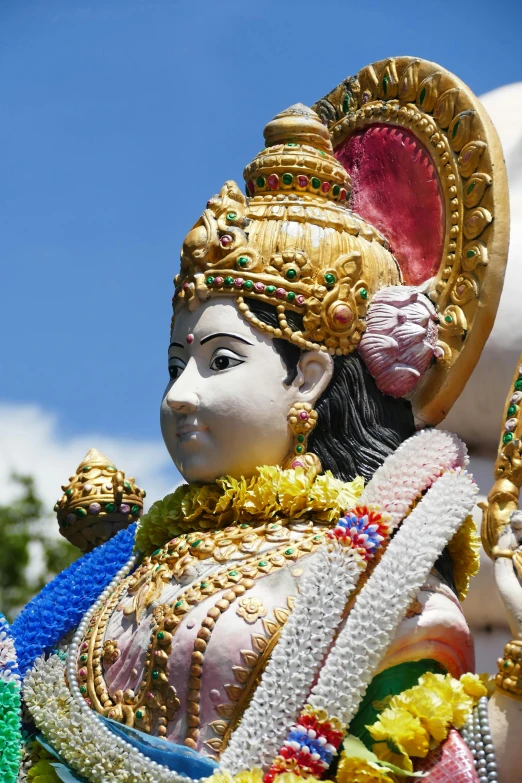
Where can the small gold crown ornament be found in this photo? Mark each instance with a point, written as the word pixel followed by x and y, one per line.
pixel 98 502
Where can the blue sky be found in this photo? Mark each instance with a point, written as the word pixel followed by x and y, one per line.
pixel 119 120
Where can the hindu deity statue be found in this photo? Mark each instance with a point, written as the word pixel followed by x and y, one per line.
pixel 293 610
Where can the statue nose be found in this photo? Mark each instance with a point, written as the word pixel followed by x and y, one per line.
pixel 182 403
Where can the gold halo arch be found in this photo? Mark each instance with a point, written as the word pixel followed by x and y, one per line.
pixel 449 120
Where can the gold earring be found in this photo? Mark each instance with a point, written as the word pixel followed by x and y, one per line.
pixel 301 421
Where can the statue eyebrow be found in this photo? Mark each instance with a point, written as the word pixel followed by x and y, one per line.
pixel 223 334
pixel 176 345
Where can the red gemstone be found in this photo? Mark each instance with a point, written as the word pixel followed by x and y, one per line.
pixel 238 282
pixel 259 287
pixel 302 181
pixel 218 281
pixel 304 416
pixel 342 314
pixel 325 187
pixel 251 187
pixel 273 181
pixel 280 293
pixel 342 195
pixel 300 299
pixel 226 240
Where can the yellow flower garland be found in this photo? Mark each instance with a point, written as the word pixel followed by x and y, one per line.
pixel 272 494
pixel 419 719
pixel 464 551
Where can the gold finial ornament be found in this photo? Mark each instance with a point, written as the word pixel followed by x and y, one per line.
pixel 504 495
pixel 97 503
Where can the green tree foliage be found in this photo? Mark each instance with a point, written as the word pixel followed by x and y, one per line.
pixel 21 526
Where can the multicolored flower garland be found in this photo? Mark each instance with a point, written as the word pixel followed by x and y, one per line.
pixel 60 606
pixel 10 725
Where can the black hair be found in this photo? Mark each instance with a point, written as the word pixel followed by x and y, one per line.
pixel 358 425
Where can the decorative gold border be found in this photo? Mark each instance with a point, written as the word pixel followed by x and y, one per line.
pixel 450 122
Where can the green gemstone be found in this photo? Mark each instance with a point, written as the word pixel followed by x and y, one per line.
pixel 135 510
pixel 260 182
pixel 270 289
pixel 422 95
pixel 127 486
pixel 83 658
pixel 111 468
pixel 194 544
pixel 290 296
pixel 470 187
pixel 448 319
pixel 233 573
pixel 455 129
pixel 289 551
pixel 229 281
pixel 248 285
pixel 155 674
pixel 161 635
pixel 385 84
pixel 242 261
pixel 68 492
pixel 512 410
pixel 300 438
pixel 203 585
pixel 156 552
pixel 110 507
pixel 231 216
pixel 287 179
pixel 210 280
pixel 363 293
pixel 262 563
pixel 336 190
pixel 315 182
pixel 507 437
pixel 178 604
pixel 322 153
pixel 318 538
pixel 471 253
pixel 518 385
pixel 87 468
pixel 80 512
pixel 244 525
pixel 299 449
pixel 329 278
pixel 291 274
pixel 346 102
pixel 292 144
pixel 83 690
pixel 139 714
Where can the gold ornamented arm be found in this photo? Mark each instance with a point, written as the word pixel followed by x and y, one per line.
pixel 503 498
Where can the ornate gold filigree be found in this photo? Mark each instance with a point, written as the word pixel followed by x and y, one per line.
pixel 260 247
pixel 509 677
pixel 451 124
pixel 504 495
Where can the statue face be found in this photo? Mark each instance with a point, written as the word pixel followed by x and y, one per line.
pixel 225 408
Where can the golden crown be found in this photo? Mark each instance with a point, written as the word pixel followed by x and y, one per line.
pixel 292 242
pixel 97 502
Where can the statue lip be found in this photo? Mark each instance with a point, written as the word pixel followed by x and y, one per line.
pixel 189 429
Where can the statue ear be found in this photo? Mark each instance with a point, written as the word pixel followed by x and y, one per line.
pixel 314 373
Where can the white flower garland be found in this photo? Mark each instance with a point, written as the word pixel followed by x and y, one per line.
pixel 384 600
pixel 411 469
pixel 297 658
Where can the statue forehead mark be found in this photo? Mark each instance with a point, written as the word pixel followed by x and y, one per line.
pixel 189 338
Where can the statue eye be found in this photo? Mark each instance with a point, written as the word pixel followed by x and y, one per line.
pixel 224 359
pixel 176 367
